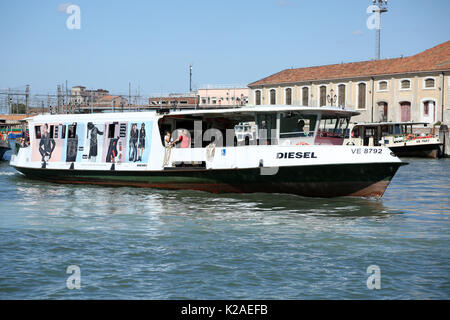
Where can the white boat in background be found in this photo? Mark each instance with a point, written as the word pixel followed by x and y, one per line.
pixel 405 139
pixel 298 150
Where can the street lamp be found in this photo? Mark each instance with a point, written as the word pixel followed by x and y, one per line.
pixel 331 98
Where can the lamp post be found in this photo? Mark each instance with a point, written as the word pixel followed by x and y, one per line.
pixel 332 98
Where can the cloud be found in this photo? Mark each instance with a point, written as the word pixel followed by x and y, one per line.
pixel 357 33
pixel 63 7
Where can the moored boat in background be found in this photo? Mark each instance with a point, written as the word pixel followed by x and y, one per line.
pixel 405 139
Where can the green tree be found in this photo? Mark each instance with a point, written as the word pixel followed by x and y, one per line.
pixel 19 108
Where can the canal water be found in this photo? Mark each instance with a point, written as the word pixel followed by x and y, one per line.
pixel 128 243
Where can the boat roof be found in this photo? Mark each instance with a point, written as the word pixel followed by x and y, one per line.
pixel 376 124
pixel 131 116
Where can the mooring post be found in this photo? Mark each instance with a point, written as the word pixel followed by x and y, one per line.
pixel 443 137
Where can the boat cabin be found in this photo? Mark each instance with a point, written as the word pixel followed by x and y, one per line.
pixel 262 125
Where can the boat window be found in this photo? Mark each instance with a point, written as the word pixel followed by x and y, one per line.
pixel 369 132
pixel 266 125
pixel 111 130
pixel 52 132
pixel 63 131
pixel 72 131
pixel 37 130
pixel 333 127
pixel 297 126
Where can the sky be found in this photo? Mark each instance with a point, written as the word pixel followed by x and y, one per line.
pixel 150 44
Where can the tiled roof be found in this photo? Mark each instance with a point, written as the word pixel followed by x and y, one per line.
pixel 434 59
pixel 107 98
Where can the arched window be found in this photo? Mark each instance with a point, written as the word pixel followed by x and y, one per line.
pixel 305 96
pixel 288 96
pixel 361 96
pixel 382 85
pixel 258 97
pixel 429 83
pixel 341 95
pixel 273 96
pixel 405 84
pixel 323 96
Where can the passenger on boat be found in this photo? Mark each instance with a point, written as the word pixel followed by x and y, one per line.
pixel 301 125
pixel 167 140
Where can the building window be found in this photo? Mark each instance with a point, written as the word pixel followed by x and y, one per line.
pixel 361 96
pixel 323 96
pixel 288 96
pixel 341 95
pixel 429 111
pixel 382 86
pixel 273 96
pixel 405 108
pixel 305 96
pixel 405 84
pixel 258 97
pixel 429 83
pixel 383 111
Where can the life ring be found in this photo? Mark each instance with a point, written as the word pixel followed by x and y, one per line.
pixel 409 137
pixel 1 137
pixel 302 144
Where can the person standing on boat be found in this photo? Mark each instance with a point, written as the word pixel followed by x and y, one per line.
pixel 133 142
pixel 167 140
pixel 93 141
pixel 141 145
pixel 46 146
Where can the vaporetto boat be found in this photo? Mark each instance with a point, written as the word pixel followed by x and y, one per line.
pixel 297 150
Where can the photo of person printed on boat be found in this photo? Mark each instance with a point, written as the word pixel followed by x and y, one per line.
pixel 72 143
pixel 112 150
pixel 46 146
pixel 141 145
pixel 93 143
pixel 134 135
pixel 184 140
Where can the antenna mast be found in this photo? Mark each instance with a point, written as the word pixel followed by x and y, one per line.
pixel 380 6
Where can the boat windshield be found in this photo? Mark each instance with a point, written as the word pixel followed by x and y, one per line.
pixel 297 126
pixel 332 130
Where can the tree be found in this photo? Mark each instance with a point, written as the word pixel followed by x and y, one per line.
pixel 18 108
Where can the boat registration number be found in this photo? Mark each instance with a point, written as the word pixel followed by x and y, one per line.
pixel 367 151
